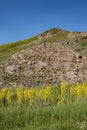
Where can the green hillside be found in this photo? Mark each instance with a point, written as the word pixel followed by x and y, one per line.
pixel 81 47
pixel 9 49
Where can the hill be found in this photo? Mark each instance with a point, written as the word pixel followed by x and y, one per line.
pixel 49 58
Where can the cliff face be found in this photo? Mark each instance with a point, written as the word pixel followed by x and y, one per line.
pixel 46 63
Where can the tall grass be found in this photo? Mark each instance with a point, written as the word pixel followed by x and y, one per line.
pixel 64 117
pixel 46 108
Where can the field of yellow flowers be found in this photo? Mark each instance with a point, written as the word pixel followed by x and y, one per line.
pixel 44 108
pixel 44 96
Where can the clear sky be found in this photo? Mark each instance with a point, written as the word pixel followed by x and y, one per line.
pixel 21 19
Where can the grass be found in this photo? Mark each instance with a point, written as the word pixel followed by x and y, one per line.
pixel 64 117
pixel 60 36
pixel 71 114
pixel 9 49
pixel 80 47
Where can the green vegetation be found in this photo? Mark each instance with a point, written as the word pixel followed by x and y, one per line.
pixel 58 108
pixel 8 49
pixel 80 47
pixel 60 36
pixel 64 117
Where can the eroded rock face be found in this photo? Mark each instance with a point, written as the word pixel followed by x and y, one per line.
pixel 11 69
pixel 49 64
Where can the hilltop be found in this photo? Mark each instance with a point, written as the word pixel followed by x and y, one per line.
pixel 54 56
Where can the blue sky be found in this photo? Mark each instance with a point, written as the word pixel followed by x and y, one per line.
pixel 21 19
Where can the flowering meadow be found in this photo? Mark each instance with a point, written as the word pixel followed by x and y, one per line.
pixel 61 107
pixel 43 96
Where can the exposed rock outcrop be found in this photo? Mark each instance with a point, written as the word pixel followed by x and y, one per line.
pixel 46 64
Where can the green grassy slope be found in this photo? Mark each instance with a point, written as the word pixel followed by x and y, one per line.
pixel 8 49
pixel 80 47
pixel 60 36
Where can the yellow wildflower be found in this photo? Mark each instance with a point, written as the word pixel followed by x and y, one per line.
pixel 9 97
